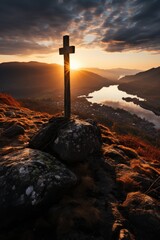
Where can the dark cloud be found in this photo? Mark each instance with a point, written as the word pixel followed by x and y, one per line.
pixel 21 47
pixel 134 25
pixel 28 26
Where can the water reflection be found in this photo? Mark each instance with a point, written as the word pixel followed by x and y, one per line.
pixel 112 96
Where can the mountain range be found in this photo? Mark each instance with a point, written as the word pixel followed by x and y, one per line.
pixel 34 79
pixel 114 73
pixel 144 84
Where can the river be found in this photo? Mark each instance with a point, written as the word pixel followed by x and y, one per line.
pixel 112 96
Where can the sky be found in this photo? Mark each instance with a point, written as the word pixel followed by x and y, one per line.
pixel 106 33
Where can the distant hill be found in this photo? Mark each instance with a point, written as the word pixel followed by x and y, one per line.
pixel 113 74
pixel 25 79
pixel 36 79
pixel 8 100
pixel 144 84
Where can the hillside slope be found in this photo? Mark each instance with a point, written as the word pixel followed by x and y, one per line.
pixel 113 74
pixel 144 84
pixel 37 79
pixel 117 193
pixel 8 100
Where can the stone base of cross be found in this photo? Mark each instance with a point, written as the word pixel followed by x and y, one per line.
pixel 66 50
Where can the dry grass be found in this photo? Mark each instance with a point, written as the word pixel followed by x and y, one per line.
pixel 75 211
pixel 108 137
pixel 128 181
pixel 144 168
pixel 143 149
pixel 86 182
pixel 88 212
pixel 153 187
pixel 81 169
pixel 85 186
pixel 130 152
pixel 8 100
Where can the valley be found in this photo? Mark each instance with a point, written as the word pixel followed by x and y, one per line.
pixel 39 86
pixel 145 85
pixel 118 120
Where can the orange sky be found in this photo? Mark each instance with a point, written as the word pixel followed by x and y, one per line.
pixel 106 34
pixel 95 58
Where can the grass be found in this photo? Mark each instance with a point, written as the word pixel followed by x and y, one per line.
pixel 152 186
pixel 144 149
pixel 8 100
pixel 128 182
pixel 81 208
pixel 75 211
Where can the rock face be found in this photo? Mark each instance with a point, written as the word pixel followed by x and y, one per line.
pixel 143 211
pixel 31 178
pixel 74 140
pixel 115 197
pixel 13 131
pixel 47 134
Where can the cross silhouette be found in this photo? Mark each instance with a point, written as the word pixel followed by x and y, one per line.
pixel 66 50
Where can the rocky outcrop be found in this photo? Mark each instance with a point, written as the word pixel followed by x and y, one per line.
pixel 76 141
pixel 17 125
pixel 13 131
pixel 116 195
pixel 71 141
pixel 30 179
pixel 142 211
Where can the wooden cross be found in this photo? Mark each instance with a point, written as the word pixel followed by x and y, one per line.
pixel 66 50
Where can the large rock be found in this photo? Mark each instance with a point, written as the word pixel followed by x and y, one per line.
pixel 116 154
pixel 13 131
pixel 143 211
pixel 42 139
pixel 71 141
pixel 76 141
pixel 30 179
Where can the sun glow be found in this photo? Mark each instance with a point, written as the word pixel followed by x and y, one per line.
pixel 74 65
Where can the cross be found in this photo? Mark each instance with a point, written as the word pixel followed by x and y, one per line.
pixel 66 50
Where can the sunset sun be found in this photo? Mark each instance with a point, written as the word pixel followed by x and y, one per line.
pixel 74 65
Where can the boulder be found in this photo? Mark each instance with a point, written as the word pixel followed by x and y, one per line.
pixel 13 131
pixel 125 235
pixel 47 134
pixel 143 211
pixel 73 140
pixel 30 179
pixel 116 154
pixel 10 114
pixel 76 141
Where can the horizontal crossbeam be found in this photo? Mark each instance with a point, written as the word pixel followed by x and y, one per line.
pixel 67 50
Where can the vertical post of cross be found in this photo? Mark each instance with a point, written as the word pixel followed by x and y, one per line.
pixel 66 50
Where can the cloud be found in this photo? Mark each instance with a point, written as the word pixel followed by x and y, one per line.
pixel 133 25
pixel 37 26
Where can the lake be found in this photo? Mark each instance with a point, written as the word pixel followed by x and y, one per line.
pixel 112 96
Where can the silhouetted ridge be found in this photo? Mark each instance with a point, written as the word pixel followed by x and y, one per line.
pixel 113 74
pixel 150 75
pixel 35 79
pixel 146 85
